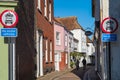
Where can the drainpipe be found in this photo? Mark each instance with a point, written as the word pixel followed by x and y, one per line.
pixel 108 60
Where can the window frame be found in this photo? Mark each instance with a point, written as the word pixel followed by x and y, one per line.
pixel 45 8
pixel 46 50
pixel 51 55
pixel 58 41
pixel 50 12
pixel 39 5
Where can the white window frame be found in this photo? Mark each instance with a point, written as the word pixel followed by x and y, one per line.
pixel 66 43
pixel 39 5
pixel 58 39
pixel 46 50
pixel 66 60
pixel 51 52
pixel 50 12
pixel 60 56
pixel 45 8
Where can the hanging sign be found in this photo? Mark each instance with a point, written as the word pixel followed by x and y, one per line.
pixel 109 25
pixel 9 18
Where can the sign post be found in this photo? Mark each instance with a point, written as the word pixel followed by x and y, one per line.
pixel 9 20
pixel 109 25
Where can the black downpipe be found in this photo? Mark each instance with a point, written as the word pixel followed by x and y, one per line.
pixel 109 57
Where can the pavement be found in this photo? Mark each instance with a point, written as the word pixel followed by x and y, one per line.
pixel 72 74
pixel 91 74
pixel 68 76
pixel 54 75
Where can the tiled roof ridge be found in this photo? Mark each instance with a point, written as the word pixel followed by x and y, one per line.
pixel 70 22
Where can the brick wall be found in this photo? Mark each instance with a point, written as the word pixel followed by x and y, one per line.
pixel 48 33
pixel 63 64
pixel 25 50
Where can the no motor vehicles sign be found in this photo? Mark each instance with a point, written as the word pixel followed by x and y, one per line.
pixel 109 25
pixel 9 18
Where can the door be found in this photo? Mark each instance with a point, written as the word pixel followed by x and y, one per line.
pixel 57 62
pixel 39 55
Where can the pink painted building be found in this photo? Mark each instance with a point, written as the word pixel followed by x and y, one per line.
pixel 60 46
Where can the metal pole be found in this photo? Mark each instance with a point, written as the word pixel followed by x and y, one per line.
pixel 108 61
pixel 11 58
pixel 109 57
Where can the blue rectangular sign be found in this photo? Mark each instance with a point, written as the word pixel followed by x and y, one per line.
pixel 8 32
pixel 109 37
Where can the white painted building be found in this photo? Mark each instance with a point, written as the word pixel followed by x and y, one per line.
pixel 79 34
pixel 75 45
pixel 90 51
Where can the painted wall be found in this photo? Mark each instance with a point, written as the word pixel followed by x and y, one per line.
pixel 61 49
pixel 90 51
pixel 80 35
pixel 4 53
pixel 70 42
pixel 66 46
pixel 114 11
pixel 111 8
pixel 60 29
pixel 75 45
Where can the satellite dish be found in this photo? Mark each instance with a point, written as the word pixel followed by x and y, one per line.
pixel 88 33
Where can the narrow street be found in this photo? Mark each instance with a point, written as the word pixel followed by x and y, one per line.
pixel 59 40
pixel 69 74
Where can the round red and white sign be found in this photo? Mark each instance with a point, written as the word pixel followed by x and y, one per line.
pixel 109 25
pixel 9 18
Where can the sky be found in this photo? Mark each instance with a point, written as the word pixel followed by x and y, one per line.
pixel 79 8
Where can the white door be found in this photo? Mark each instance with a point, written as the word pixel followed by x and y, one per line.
pixel 39 55
pixel 57 62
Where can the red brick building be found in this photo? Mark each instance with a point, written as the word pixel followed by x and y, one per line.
pixel 45 36
pixel 25 43
pixel 35 41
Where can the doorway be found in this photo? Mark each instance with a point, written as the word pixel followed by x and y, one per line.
pixel 39 54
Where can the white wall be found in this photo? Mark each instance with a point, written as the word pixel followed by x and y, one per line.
pixel 80 35
pixel 90 51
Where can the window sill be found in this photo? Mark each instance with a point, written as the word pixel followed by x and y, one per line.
pixel 50 22
pixel 46 17
pixel 51 62
pixel 58 44
pixel 39 10
pixel 46 62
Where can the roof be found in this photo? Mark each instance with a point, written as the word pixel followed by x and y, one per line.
pixel 69 22
pixel 88 40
